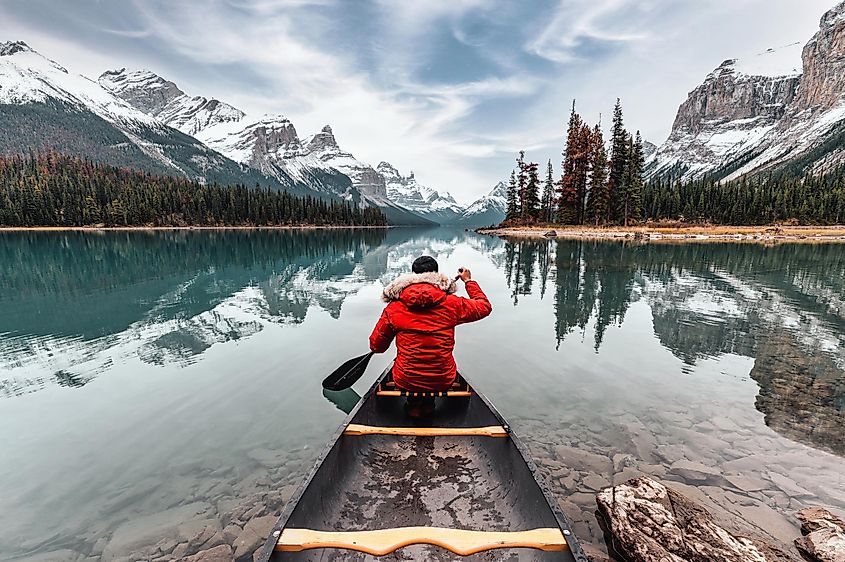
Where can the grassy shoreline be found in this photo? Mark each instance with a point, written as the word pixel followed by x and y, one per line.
pixel 701 233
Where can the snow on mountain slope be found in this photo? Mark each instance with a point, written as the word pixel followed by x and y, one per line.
pixel 26 76
pixel 487 210
pixel 164 100
pixel 269 143
pixel 727 116
pixel 423 200
pixel 778 61
pixel 765 112
pixel 42 104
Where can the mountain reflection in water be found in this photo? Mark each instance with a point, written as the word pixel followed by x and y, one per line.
pixel 150 380
pixel 784 306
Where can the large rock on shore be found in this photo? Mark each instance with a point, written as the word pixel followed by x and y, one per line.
pixel 824 539
pixel 648 522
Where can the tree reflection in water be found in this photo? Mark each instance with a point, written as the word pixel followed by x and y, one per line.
pixel 784 306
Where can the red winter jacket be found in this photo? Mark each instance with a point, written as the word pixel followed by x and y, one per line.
pixel 422 314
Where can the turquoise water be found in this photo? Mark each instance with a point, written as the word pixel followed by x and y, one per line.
pixel 155 379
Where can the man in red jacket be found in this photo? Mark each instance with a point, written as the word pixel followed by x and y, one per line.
pixel 422 314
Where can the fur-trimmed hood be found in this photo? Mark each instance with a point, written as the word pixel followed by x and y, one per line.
pixel 439 280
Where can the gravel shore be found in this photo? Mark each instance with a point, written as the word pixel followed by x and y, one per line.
pixel 757 234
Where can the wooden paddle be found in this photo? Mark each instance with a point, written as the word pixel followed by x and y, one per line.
pixel 348 374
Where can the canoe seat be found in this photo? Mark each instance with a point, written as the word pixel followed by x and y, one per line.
pixel 459 389
pixel 488 431
pixel 433 394
pixel 462 542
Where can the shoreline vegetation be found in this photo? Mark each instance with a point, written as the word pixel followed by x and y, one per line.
pixel 51 189
pixel 103 228
pixel 677 233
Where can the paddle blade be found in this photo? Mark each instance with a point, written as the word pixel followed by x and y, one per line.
pixel 347 374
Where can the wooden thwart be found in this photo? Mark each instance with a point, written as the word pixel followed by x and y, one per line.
pixel 449 393
pixel 384 541
pixel 488 431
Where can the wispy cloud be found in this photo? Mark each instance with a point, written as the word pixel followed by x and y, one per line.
pixel 580 24
pixel 448 88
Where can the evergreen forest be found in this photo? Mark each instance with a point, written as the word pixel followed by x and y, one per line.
pixel 51 189
pixel 603 183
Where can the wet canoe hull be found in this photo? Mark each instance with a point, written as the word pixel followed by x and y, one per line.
pixel 448 484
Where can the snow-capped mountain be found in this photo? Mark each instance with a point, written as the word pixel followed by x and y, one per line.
pixel 42 104
pixel 440 207
pixel 28 77
pixel 163 99
pixel 782 107
pixel 267 143
pixel 489 209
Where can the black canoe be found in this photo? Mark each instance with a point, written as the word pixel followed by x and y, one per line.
pixel 458 486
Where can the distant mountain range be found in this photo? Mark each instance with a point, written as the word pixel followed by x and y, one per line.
pixel 782 109
pixel 141 120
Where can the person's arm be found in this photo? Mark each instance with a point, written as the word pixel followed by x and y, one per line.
pixel 477 306
pixel 382 334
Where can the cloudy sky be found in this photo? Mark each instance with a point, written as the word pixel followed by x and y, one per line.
pixel 450 89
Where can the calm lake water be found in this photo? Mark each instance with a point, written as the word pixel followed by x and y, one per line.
pixel 153 383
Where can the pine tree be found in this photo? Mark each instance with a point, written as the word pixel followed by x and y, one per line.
pixel 635 179
pixel 567 190
pixel 618 162
pixel 531 202
pixel 521 183
pixel 547 206
pixel 583 161
pixel 513 199
pixel 598 198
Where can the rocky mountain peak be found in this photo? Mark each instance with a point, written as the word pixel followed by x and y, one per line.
pixel 9 48
pixel 274 134
pixel 499 190
pixel 763 111
pixel 143 89
pixel 387 170
pixel 833 16
pixel 823 82
pixel 163 99
pixel 324 141
pixel 27 56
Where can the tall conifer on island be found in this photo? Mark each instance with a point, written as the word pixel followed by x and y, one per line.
pixel 583 161
pixel 521 182
pixel 547 206
pixel 632 185
pixel 566 188
pixel 618 162
pixel 635 182
pixel 598 198
pixel 531 203
pixel 513 205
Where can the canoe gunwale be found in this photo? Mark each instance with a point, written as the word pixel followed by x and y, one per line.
pixel 560 517
pixel 270 544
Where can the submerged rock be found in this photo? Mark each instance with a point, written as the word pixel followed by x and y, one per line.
pixel 222 553
pixel 824 539
pixel 648 522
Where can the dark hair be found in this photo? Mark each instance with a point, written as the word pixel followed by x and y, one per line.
pixel 424 264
